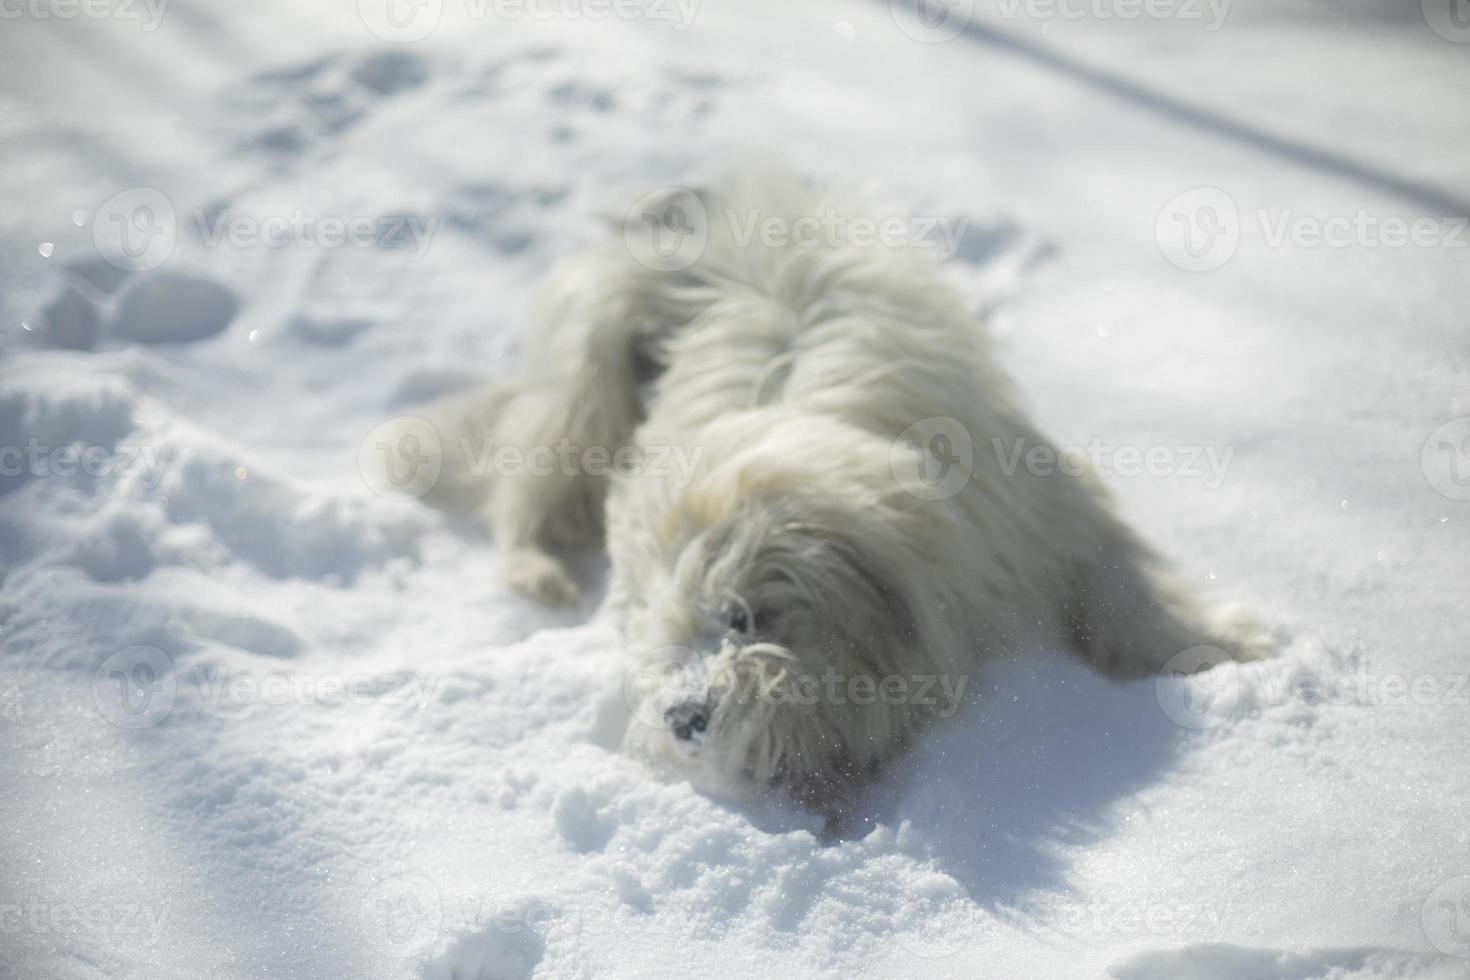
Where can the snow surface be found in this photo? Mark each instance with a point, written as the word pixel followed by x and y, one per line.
pixel 361 757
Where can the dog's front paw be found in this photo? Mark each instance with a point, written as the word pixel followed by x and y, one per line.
pixel 541 577
pixel 1244 635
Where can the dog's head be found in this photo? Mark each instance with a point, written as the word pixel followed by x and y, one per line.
pixel 775 612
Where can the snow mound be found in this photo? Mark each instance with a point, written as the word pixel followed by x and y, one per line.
pixel 257 513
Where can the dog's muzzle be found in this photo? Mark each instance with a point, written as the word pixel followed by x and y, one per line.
pixel 688 719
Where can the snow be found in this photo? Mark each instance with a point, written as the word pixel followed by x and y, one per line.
pixel 258 719
pixel 163 307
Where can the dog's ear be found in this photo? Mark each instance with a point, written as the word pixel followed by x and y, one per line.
pixel 853 564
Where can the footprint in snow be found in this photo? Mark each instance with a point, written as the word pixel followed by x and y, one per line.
pixel 166 307
pixel 325 97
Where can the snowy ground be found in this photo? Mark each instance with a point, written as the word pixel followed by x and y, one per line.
pixel 356 755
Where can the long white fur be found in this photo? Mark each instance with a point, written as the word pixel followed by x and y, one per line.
pixel 791 370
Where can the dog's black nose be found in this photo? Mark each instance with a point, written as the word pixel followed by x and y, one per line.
pixel 686 718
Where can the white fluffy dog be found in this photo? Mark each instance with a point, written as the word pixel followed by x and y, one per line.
pixel 840 555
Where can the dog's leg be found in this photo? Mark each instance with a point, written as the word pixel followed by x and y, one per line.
pixel 545 500
pixel 585 395
pixel 1128 618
